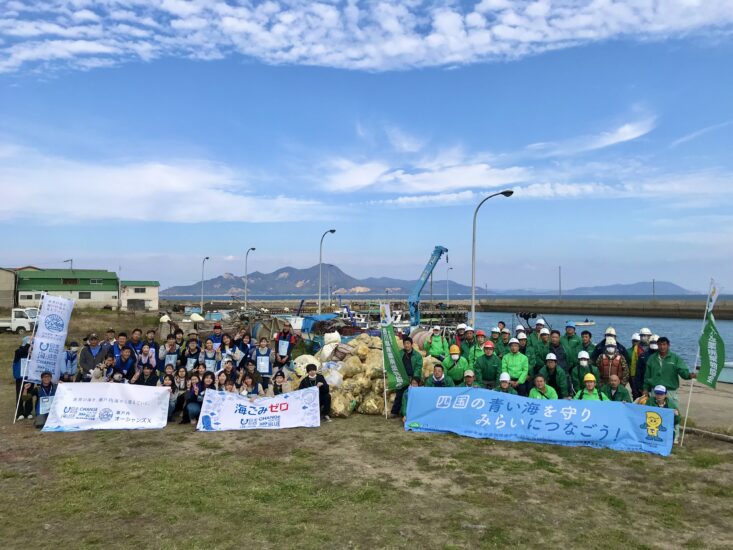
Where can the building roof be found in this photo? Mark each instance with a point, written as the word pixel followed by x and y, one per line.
pixel 68 274
pixel 139 283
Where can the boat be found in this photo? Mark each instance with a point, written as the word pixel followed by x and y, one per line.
pixel 586 323
pixel 727 374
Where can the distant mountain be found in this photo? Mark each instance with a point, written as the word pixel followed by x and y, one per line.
pixel 297 282
pixel 292 281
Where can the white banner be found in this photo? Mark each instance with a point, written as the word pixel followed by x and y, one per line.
pixel 107 406
pixel 52 325
pixel 231 411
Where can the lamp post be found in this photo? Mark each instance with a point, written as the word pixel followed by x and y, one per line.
pixel 507 193
pixel 246 275
pixel 202 283
pixel 447 285
pixel 70 261
pixel 320 266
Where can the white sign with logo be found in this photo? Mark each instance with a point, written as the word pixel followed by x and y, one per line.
pixel 52 325
pixel 79 406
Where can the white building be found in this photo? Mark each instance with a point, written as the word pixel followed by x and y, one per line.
pixel 139 295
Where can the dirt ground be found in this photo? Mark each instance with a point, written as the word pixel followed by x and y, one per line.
pixel 360 482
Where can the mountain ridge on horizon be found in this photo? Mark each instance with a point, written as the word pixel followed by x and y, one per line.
pixel 293 281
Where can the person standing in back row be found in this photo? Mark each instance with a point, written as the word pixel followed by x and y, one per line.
pixel 284 344
pixel 665 368
pixel 412 362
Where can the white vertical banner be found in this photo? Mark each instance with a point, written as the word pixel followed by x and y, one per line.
pixel 52 326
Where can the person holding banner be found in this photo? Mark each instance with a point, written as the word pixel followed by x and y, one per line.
pixel 279 386
pixel 126 362
pixel 196 395
pixel 665 368
pixel 44 394
pixel 20 361
pixel 250 387
pixel 412 362
pixel 145 376
pixel 414 383
pixel 661 400
pixel 313 379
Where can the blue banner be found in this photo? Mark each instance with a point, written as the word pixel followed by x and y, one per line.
pixel 480 413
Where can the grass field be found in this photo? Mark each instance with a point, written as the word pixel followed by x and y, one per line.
pixel 356 483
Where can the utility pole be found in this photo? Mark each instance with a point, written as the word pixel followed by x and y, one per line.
pixel 447 286
pixel 559 280
pixel 654 288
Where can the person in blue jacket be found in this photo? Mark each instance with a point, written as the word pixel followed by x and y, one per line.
pixel 69 363
pixel 44 394
pixel 216 336
pixel 126 362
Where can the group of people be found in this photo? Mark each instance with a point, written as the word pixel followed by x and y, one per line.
pixel 541 363
pixel 189 366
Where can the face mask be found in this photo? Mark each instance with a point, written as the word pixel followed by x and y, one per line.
pixel 610 350
pixel 455 357
pixel 584 362
pixel 653 346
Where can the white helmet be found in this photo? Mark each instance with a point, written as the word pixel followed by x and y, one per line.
pixel 654 338
pixel 645 332
pixel 545 331
pixel 495 329
pixel 468 328
pixel 505 330
pixel 513 341
pixel 583 355
pixel 521 336
pixel 461 326
pixel 519 328
pixel 635 337
pixel 504 377
pixel 540 321
pixel 550 357
pixel 610 331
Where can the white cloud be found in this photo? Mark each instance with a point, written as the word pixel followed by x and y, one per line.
pixel 358 34
pixel 402 141
pixel 626 132
pixel 52 189
pixel 347 175
pixel 701 132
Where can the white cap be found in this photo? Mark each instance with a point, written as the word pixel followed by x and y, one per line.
pixel 654 338
pixel 610 341
pixel 540 321
pixel 545 331
pixel 469 328
pixel 635 336
pixel 513 341
pixel 504 377
pixel 583 355
pixel 660 389
pixel 506 330
pixel 610 331
pixel 469 372
pixel 436 327
pixel 550 357
pixel 645 332
pixel 461 326
pixel 519 328
pixel 521 336
pixel 495 329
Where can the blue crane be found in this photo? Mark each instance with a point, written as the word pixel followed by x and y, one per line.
pixel 414 299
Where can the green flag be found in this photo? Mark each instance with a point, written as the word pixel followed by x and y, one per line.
pixel 712 353
pixel 393 367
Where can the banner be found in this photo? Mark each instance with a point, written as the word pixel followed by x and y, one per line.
pixel 712 354
pixel 480 413
pixel 52 325
pixel 393 367
pixel 230 411
pixel 88 406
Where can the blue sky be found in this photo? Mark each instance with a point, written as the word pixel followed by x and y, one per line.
pixel 147 135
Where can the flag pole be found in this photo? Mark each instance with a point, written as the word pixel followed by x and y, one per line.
pixel 30 351
pixel 694 365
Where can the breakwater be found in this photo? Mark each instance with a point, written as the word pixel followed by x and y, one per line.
pixel 582 308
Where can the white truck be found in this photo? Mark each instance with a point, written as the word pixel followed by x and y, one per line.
pixel 19 322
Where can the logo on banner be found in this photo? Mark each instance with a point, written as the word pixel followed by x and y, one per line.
pixel 105 415
pixel 54 323
pixel 653 426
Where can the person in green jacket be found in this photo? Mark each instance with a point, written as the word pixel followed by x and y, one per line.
pixel 438 379
pixel 454 365
pixel 586 344
pixel 525 347
pixel 414 383
pixel 495 335
pixel 661 400
pixel 582 368
pixel 535 337
pixel 541 390
pixel 554 377
pixel 505 384
pixel 570 342
pixel 541 349
pixel 615 391
pixel 517 366
pixel 489 366
pixel 436 345
pixel 665 368
pixel 590 392
pixel 469 347
pixel 502 348
pixel 469 380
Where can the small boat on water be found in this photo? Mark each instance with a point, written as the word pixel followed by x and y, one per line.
pixel 586 323
pixel 727 374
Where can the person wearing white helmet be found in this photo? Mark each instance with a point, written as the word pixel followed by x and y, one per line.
pixel 436 345
pixel 534 337
pixel 600 347
pixel 640 345
pixel 458 336
pixel 541 349
pixel 581 368
pixel 612 362
pixel 470 350
pixel 502 347
pixel 495 336
pixel 644 335
pixel 505 384
pixel 516 365
pixel 555 377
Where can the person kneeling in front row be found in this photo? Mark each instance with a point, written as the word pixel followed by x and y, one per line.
pixel 313 379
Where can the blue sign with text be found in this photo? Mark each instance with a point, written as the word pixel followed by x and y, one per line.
pixel 480 413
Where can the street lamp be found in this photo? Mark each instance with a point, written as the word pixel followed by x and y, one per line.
pixel 320 266
pixel 246 277
pixel 202 284
pixel 447 285
pixel 70 261
pixel 507 193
